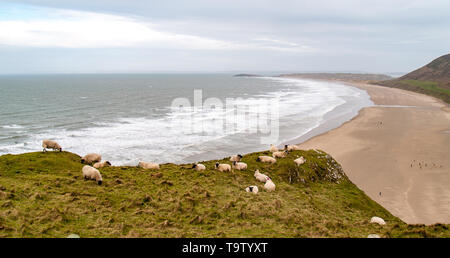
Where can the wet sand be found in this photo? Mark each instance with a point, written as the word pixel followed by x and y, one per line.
pixel 397 152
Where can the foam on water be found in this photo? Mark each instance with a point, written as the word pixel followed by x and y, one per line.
pixel 126 140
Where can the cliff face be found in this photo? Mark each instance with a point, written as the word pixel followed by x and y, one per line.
pixel 432 79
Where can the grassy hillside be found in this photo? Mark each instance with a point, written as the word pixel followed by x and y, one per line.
pixel 432 79
pixel 44 195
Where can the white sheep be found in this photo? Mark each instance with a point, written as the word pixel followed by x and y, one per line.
pixel 239 165
pixel 266 159
pixel 291 147
pixel 92 173
pixel 102 164
pixel 91 158
pixel 269 185
pixel 260 177
pixel 373 236
pixel 299 161
pixel 223 167
pixel 199 167
pixel 378 220
pixel 280 154
pixel 273 148
pixel 237 157
pixel 252 189
pixel 148 165
pixel 49 144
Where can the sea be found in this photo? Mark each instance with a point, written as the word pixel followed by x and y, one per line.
pixel 129 118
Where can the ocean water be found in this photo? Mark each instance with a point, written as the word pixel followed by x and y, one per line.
pixel 129 118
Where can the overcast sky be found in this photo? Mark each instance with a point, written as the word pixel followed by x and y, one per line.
pixel 107 36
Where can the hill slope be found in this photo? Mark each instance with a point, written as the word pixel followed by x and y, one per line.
pixel 44 195
pixel 432 79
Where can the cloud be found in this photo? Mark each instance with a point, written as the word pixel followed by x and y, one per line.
pixel 74 29
pixel 80 29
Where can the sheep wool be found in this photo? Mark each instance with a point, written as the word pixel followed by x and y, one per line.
pixel 266 159
pixel 280 154
pixel 199 167
pixel 300 161
pixel 260 177
pixel 237 157
pixel 148 165
pixel 252 189
pixel 269 185
pixel 291 147
pixel 49 144
pixel 273 148
pixel 223 167
pixel 92 173
pixel 378 220
pixel 91 158
pixel 102 164
pixel 239 165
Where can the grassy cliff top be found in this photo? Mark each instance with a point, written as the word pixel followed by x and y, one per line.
pixel 44 195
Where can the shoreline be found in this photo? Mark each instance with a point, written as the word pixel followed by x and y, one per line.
pixel 402 163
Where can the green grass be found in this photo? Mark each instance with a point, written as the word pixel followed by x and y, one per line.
pixel 44 195
pixel 424 87
pixel 427 85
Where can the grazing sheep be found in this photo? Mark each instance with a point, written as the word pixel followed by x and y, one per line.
pixel 373 236
pixel 236 158
pixel 91 158
pixel 148 165
pixel 223 167
pixel 269 185
pixel 92 173
pixel 280 154
pixel 260 177
pixel 252 189
pixel 198 167
pixel 378 220
pixel 49 144
pixel 291 147
pixel 102 164
pixel 266 159
pixel 239 165
pixel 273 148
pixel 300 161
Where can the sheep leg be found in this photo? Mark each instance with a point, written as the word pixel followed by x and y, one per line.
pixel 45 150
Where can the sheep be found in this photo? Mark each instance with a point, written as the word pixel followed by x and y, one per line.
pixel 239 165
pixel 92 173
pixel 291 147
pixel 299 161
pixel 280 154
pixel 148 165
pixel 260 177
pixel 102 164
pixel 237 157
pixel 199 167
pixel 91 158
pixel 49 144
pixel 273 148
pixel 266 159
pixel 269 185
pixel 373 236
pixel 252 189
pixel 378 220
pixel 223 167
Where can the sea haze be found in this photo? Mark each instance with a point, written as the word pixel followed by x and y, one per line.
pixel 126 118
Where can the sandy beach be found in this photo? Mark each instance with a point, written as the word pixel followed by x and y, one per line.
pixel 397 152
